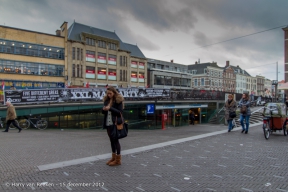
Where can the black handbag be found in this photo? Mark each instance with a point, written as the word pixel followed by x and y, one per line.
pixel 116 133
pixel 232 114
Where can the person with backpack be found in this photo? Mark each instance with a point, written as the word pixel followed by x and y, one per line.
pixel 245 112
pixel 230 111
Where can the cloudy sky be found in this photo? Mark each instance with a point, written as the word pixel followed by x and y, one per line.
pixel 170 29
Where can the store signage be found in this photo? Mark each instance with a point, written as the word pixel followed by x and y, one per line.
pixel 150 108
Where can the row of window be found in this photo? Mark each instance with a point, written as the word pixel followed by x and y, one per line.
pixel 101 44
pixel 32 85
pixel 77 52
pixel 77 70
pixel 21 67
pixel 123 61
pixel 21 48
pixel 102 73
pixel 171 81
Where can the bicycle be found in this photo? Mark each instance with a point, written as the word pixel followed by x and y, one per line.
pixel 36 122
pixel 11 125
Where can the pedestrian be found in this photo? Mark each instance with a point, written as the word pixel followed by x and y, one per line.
pixel 192 117
pixel 230 107
pixel 286 101
pixel 11 116
pixel 113 107
pixel 245 112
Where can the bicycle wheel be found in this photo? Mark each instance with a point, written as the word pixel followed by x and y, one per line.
pixel 12 126
pixel 266 130
pixel 42 124
pixel 24 123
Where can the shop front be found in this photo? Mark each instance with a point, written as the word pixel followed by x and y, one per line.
pixel 178 115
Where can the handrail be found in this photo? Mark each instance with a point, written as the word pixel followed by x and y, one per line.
pixel 212 115
pixel 256 110
pixel 221 109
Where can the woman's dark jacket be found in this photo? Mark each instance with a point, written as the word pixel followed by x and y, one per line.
pixel 247 103
pixel 116 109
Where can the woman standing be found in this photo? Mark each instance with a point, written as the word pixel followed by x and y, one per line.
pixel 245 112
pixel 230 106
pixel 113 107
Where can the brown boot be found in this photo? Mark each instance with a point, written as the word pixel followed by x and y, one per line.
pixel 112 159
pixel 117 161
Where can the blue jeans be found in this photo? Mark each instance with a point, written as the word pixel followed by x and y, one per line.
pixel 246 117
pixel 230 124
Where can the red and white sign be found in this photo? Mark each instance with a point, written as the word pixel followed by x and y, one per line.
pixel 101 75
pixel 141 78
pixel 101 59
pixel 112 75
pixel 90 57
pixel 141 65
pixel 90 73
pixel 112 61
pixel 133 77
pixel 134 64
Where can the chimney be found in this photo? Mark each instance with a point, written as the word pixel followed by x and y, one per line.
pixel 58 32
pixel 196 62
pixel 227 63
pixel 172 60
pixel 199 61
pixel 238 66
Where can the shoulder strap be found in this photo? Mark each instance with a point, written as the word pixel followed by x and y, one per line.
pixel 121 118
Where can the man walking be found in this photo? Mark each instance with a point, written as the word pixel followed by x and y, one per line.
pixel 11 116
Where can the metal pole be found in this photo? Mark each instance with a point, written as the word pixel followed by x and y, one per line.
pixel 276 81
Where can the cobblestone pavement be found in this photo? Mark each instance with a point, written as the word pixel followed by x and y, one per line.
pixel 226 162
pixel 21 153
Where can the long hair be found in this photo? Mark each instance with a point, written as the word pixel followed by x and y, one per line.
pixel 247 96
pixel 115 95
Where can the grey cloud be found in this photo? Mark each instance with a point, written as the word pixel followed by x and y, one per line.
pixel 253 13
pixel 156 15
pixel 200 38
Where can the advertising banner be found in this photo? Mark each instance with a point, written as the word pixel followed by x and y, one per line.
pixel 101 59
pixel 134 64
pixel 133 77
pixel 112 61
pixel 112 75
pixel 101 75
pixel 90 74
pixel 141 65
pixel 141 78
pixel 37 96
pixel 90 57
